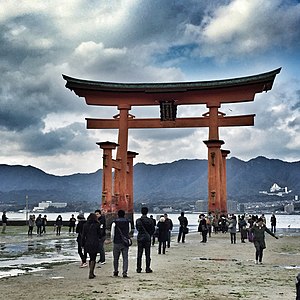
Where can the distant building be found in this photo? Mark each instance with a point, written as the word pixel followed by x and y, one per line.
pixel 232 206
pixel 242 208
pixel 201 205
pixel 46 204
pixel 276 190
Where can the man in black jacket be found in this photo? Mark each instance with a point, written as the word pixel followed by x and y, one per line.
pixel 145 229
pixel 120 227
pixel 169 223
pixel 102 222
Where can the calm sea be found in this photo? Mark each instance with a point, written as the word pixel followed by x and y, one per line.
pixel 284 222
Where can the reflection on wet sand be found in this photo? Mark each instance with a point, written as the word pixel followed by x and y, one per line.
pixel 22 255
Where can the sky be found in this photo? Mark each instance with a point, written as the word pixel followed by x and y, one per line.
pixel 43 124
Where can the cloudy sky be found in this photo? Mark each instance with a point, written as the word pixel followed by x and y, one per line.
pixel 43 124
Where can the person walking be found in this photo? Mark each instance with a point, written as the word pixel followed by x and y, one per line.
pixel 169 225
pixel 58 224
pixel 90 241
pixel 79 230
pixel 120 227
pixel 145 229
pixel 183 223
pixel 39 223
pixel 203 228
pixel 163 234
pixel 72 223
pixel 4 222
pixel 273 223
pixel 232 229
pixel 258 229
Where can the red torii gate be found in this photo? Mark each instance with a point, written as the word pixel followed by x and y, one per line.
pixel 168 96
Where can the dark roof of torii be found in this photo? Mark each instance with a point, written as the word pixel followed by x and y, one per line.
pixel 73 83
pixel 113 90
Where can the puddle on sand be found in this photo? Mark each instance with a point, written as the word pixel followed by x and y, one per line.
pixel 30 255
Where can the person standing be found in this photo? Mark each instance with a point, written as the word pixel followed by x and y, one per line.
pixel 30 225
pixel 102 224
pixel 44 223
pixel 39 223
pixel 154 235
pixel 183 223
pixel 79 230
pixel 90 241
pixel 232 229
pixel 258 229
pixel 169 225
pixel 163 234
pixel 273 223
pixel 4 222
pixel 58 224
pixel 209 223
pixel 120 227
pixel 243 228
pixel 72 223
pixel 203 228
pixel 145 229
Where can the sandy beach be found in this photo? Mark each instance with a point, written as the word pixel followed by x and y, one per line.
pixel 216 270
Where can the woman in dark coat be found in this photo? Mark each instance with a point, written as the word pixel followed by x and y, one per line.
pixel 258 230
pixel 163 233
pixel 79 230
pixel 90 240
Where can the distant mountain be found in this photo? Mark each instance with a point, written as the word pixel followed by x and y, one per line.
pixel 183 180
pixel 18 181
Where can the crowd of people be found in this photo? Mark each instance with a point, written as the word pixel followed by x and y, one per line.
pixel 91 234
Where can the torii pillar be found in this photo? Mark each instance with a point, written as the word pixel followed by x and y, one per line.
pixel 108 203
pixel 224 154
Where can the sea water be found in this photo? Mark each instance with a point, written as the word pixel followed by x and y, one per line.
pixel 284 221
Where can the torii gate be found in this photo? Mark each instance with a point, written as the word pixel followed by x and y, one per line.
pixel 168 96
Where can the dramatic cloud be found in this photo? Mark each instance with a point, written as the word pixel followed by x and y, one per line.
pixel 43 124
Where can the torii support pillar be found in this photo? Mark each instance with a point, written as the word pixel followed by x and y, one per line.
pixel 224 154
pixel 214 175
pixel 107 199
pixel 130 208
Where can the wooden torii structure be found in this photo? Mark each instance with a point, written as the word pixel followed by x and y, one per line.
pixel 119 194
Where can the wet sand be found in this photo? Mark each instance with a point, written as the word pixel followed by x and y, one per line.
pixel 216 270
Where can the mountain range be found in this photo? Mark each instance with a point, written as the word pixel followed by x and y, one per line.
pixel 182 180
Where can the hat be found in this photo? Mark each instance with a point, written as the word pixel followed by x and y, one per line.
pixel 80 216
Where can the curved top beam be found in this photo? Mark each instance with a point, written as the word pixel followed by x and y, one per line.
pixel 113 93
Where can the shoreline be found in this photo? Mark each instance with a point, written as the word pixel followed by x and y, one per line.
pixel 216 270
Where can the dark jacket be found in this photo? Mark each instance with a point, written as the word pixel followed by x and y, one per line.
pixel 121 224
pixel 259 234
pixel 79 230
pixel 90 236
pixel 183 221
pixel 145 228
pixel 102 221
pixel 169 224
pixel 4 218
pixel 163 231
pixel 202 226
